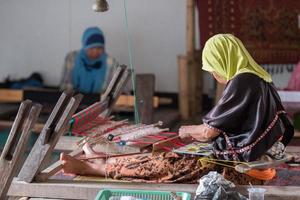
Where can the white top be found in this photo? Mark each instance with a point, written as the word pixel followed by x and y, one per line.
pixel 289 96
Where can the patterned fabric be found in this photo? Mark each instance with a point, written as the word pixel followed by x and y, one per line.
pixel 268 28
pixel 166 167
pixel 276 151
pixel 169 168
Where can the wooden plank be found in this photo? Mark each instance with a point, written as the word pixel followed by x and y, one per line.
pixel 11 96
pixel 56 125
pixel 54 168
pixel 11 157
pixel 145 86
pixel 243 168
pixel 128 101
pixel 183 87
pixel 74 190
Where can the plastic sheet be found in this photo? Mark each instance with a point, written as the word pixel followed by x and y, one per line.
pixel 214 186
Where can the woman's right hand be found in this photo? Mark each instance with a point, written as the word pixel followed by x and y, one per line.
pixel 198 132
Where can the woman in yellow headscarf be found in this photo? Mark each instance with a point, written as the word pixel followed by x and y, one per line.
pixel 247 123
pixel 249 120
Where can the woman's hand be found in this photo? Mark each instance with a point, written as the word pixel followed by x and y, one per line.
pixel 198 132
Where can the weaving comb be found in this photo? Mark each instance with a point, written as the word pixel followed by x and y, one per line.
pixel 56 125
pixel 11 157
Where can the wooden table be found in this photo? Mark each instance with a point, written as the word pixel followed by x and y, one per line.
pixel 51 95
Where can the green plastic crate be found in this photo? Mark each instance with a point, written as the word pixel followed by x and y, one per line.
pixel 141 194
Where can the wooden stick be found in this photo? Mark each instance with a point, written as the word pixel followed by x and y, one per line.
pixel 108 156
pixel 243 168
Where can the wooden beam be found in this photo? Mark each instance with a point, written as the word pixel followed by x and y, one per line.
pixel 11 96
pixel 190 27
pixel 184 92
pixel 78 190
pixel 128 101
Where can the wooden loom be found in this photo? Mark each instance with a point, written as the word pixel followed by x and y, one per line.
pixel 55 127
pixel 86 123
pixel 87 188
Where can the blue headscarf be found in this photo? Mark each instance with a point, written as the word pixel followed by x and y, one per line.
pixel 89 75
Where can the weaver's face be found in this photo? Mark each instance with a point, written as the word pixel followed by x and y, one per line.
pixel 94 53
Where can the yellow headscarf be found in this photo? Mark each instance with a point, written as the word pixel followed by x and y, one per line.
pixel 227 56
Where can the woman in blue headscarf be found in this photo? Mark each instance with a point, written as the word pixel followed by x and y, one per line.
pixel 88 70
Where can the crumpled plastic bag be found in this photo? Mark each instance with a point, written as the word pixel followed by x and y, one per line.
pixel 214 186
pixel 222 194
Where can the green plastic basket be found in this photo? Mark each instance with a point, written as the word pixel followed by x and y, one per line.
pixel 141 194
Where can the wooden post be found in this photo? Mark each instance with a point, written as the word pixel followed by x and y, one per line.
pixel 190 42
pixel 183 87
pixel 193 63
pixel 190 75
pixel 190 27
pixel 198 73
pixel 145 86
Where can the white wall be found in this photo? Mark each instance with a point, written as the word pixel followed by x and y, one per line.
pixel 35 35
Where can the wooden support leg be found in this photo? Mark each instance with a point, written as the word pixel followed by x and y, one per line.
pixel 183 72
pixel 14 149
pixel 55 127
